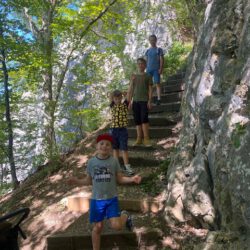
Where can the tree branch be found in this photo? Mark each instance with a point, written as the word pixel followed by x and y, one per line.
pixel 69 57
pixel 103 37
pixel 96 19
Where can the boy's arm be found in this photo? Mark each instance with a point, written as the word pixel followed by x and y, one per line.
pixel 130 89
pixel 121 179
pixel 110 97
pixel 150 92
pixel 87 180
pixel 130 92
pixel 161 62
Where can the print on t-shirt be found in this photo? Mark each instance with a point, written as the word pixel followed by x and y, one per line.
pixel 102 174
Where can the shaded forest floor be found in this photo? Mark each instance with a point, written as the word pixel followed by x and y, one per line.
pixel 46 192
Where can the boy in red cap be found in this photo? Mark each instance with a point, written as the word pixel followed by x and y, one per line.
pixel 103 172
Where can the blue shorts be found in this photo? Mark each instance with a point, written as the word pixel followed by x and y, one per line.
pixel 120 138
pixel 101 209
pixel 155 74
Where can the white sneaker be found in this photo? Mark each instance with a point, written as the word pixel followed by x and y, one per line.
pixel 128 170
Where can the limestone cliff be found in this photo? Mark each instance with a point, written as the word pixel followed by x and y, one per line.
pixel 209 176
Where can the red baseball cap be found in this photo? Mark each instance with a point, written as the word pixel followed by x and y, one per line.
pixel 107 137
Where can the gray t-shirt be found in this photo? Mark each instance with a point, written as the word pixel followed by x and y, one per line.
pixel 103 173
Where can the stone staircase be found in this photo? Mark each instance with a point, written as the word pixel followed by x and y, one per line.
pixel 149 228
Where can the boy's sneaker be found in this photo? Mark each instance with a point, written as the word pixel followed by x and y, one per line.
pixel 147 142
pixel 158 102
pixel 129 222
pixel 128 170
pixel 138 142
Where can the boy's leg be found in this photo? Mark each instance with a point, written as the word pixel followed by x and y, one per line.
pixel 123 144
pixel 114 133
pixel 145 124
pixel 157 79
pixel 146 140
pixel 125 157
pixel 96 235
pixel 137 119
pixel 158 90
pixel 139 135
pixel 128 170
pixel 145 129
pixel 116 153
pixel 96 216
pixel 118 223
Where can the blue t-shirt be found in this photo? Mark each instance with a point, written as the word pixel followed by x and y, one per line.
pixel 103 173
pixel 153 55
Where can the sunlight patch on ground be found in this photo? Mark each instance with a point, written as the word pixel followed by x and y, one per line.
pixel 55 178
pixel 81 160
pixel 53 219
pixel 36 204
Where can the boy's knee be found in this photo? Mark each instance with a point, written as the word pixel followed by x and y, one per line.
pixel 116 224
pixel 97 228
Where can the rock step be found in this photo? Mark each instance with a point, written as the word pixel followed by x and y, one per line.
pixel 141 160
pixel 171 97
pixel 178 87
pixel 154 121
pixel 164 107
pixel 176 77
pixel 114 240
pixel 81 204
pixel 154 132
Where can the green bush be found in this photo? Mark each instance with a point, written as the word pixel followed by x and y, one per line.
pixel 5 188
pixel 176 58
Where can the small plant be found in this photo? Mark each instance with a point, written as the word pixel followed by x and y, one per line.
pixel 176 58
pixel 5 188
pixel 240 130
pixel 152 184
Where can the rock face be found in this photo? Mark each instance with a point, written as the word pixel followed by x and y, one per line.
pixel 209 176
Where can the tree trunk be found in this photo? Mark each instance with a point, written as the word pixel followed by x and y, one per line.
pixel 8 120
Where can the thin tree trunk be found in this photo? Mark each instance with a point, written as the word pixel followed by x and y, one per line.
pixel 8 120
pixel 51 87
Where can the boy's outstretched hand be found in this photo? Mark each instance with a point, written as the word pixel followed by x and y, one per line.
pixel 136 179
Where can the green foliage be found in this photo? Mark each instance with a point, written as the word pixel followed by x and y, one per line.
pixel 152 184
pixel 5 188
pixel 176 58
pixel 239 131
pixel 53 166
pixel 188 17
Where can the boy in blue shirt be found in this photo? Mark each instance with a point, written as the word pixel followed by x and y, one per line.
pixel 103 173
pixel 155 62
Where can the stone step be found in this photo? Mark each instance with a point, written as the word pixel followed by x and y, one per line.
pixel 172 82
pixel 171 97
pixel 178 76
pixel 165 107
pixel 141 160
pixel 154 121
pixel 178 87
pixel 81 204
pixel 154 132
pixel 114 240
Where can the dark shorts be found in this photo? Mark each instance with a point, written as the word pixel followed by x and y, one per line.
pixel 155 74
pixel 103 209
pixel 120 138
pixel 140 112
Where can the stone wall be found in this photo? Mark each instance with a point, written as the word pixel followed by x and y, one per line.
pixel 209 176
